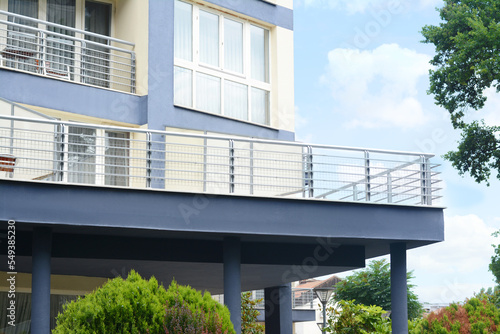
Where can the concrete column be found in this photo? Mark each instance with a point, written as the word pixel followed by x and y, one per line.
pixel 40 280
pixel 278 309
pixel 399 291
pixel 232 280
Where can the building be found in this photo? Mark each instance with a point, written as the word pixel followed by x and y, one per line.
pixel 159 135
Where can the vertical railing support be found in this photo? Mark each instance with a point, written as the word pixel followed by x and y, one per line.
pixel 149 155
pixel 367 177
pixel 251 168
pixel 205 152
pixel 310 171
pixel 132 72
pixel 61 151
pixel 425 182
pixel 389 188
pixel 231 166
pixel 355 193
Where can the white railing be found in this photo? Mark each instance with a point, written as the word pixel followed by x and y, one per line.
pixel 57 151
pixel 58 51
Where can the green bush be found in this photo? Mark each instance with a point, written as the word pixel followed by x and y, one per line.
pixel 135 305
pixel 188 311
pixel 478 315
pixel 348 317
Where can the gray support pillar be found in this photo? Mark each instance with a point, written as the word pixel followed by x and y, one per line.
pixel 278 309
pixel 399 291
pixel 40 280
pixel 232 280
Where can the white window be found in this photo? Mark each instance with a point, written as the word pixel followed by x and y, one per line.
pixel 221 64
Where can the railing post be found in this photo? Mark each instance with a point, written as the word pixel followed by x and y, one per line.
pixel 149 146
pixel 310 171
pixel 41 53
pixel 367 177
pixel 425 182
pixel 354 193
pixel 251 168
pixel 231 166
pixel 205 152
pixel 132 72
pixel 61 150
pixel 389 188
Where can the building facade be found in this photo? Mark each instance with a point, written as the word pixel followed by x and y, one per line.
pixel 159 136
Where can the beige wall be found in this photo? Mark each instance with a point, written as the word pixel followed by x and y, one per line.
pixel 59 284
pixel 131 24
pixel 282 104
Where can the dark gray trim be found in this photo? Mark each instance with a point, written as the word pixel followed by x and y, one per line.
pixel 71 97
pixel 278 309
pixel 41 269
pixel 264 11
pixel 399 289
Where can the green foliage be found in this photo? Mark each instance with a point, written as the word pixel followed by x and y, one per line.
pixel 478 152
pixel 249 314
pixel 466 63
pixel 188 311
pixel 128 306
pixel 135 305
pixel 495 261
pixel 352 318
pixel 478 315
pixel 372 286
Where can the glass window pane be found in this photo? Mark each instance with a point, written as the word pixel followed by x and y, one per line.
pixel 209 38
pixel 259 53
pixel 183 30
pixel 233 46
pixel 208 93
pixel 235 100
pixel 61 12
pixel 116 159
pixel 183 92
pixel 24 7
pixel 260 106
pixel 81 155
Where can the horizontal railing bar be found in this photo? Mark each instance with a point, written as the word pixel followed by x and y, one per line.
pixel 55 25
pixel 182 134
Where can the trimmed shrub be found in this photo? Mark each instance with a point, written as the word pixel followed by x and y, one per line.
pixel 135 306
pixel 130 306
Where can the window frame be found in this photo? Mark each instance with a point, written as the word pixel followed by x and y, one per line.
pixel 245 78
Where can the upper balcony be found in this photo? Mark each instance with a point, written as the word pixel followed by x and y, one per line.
pixel 64 53
pixel 36 148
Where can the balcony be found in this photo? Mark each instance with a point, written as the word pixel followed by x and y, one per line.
pixel 35 148
pixel 60 52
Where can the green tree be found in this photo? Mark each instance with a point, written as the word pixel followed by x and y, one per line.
pixel 249 314
pixel 372 286
pixel 495 261
pixel 467 61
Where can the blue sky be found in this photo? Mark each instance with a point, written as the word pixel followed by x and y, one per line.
pixel 361 75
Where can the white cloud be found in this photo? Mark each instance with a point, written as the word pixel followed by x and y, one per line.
pixel 379 87
pixel 361 6
pixel 457 267
pixel 490 112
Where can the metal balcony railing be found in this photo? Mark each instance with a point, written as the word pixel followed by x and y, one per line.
pixel 58 51
pixel 302 299
pixel 41 149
